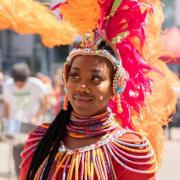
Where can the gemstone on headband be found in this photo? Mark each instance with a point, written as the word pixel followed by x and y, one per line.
pixel 91 52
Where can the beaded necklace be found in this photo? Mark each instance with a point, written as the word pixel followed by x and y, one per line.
pixel 97 161
pixel 82 127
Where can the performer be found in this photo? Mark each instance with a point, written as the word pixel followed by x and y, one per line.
pixel 111 124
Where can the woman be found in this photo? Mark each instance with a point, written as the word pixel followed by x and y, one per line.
pixel 86 141
pixel 110 125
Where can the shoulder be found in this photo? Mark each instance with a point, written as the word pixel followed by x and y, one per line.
pixel 8 82
pixel 8 88
pixel 34 81
pixel 135 142
pixel 132 136
pixel 36 84
pixel 133 152
pixel 33 139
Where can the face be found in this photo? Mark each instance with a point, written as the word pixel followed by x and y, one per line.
pixel 20 84
pixel 89 84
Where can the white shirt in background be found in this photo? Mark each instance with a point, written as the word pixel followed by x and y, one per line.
pixel 24 102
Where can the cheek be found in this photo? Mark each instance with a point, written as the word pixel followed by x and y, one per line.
pixel 104 92
pixel 70 88
pixel 101 98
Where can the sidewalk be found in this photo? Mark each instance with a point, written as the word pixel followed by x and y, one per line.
pixel 6 162
pixel 170 167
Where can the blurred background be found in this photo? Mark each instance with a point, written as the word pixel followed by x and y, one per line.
pixel 46 64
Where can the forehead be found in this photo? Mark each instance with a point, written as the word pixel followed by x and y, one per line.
pixel 90 63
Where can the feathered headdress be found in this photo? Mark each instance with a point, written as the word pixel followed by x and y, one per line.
pixel 132 28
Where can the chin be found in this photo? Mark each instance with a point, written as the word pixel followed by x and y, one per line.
pixel 87 112
pixel 83 110
pixel 83 113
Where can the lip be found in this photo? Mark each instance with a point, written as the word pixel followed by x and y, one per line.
pixel 82 99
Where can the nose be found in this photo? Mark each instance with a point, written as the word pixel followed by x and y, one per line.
pixel 83 85
pixel 83 88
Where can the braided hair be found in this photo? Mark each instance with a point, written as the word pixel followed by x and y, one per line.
pixel 49 144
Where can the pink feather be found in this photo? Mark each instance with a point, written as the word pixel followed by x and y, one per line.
pixel 130 18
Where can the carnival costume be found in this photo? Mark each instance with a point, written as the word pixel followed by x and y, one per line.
pixel 143 97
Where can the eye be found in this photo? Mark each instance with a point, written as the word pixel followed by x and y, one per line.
pixel 96 78
pixel 73 75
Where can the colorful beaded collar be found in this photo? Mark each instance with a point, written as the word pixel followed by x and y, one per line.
pixel 84 127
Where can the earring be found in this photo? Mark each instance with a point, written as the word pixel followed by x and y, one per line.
pixel 118 103
pixel 119 84
pixel 65 104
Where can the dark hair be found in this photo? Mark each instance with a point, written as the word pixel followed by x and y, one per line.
pixel 49 144
pixel 107 46
pixel 20 72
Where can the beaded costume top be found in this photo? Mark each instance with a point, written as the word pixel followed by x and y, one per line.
pixel 123 154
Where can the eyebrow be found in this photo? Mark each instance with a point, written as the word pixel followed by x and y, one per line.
pixel 96 71
pixel 75 69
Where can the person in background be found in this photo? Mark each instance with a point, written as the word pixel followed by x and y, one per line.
pixel 58 92
pixel 25 99
pixel 46 81
pixel 50 103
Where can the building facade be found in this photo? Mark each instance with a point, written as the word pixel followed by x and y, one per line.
pixel 28 48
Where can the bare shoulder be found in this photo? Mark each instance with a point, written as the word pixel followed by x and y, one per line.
pixel 135 143
pixel 133 137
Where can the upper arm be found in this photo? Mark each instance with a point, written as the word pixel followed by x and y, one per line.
pixel 6 109
pixel 6 93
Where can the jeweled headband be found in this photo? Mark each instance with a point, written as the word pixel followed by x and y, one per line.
pixel 90 52
pixel 91 44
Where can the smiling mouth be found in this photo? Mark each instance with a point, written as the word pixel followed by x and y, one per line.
pixel 82 98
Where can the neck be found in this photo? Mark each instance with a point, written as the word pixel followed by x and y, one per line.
pixel 83 127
